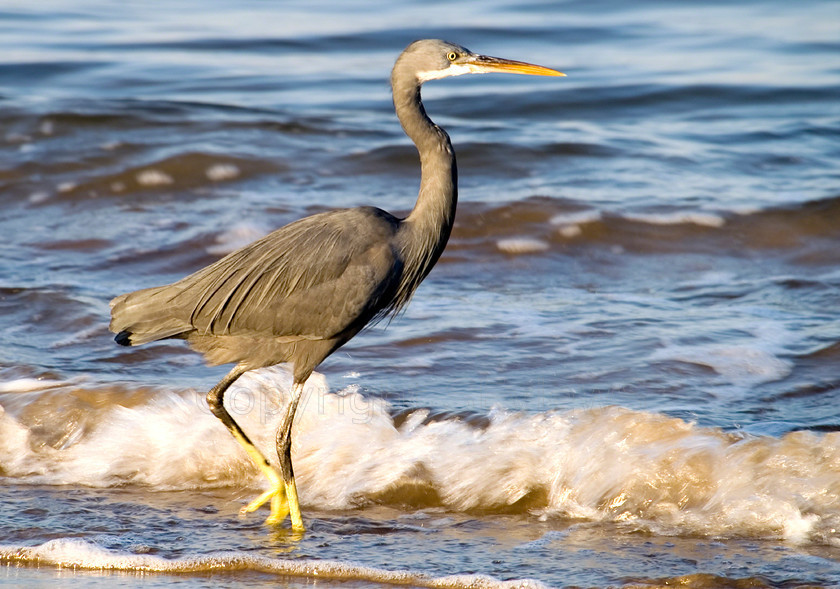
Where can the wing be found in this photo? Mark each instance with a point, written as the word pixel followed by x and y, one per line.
pixel 313 279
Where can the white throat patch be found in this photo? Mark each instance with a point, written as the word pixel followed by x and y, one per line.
pixel 454 69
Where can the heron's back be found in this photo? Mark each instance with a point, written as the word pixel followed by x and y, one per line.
pixel 294 295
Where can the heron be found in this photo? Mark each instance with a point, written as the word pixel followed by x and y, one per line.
pixel 301 292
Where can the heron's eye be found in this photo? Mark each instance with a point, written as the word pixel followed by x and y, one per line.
pixel 452 56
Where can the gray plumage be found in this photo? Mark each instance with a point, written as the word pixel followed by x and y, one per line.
pixel 293 296
pixel 304 290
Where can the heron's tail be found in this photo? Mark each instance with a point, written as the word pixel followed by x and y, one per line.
pixel 145 316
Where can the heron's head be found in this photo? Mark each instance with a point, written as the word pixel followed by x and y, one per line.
pixel 432 59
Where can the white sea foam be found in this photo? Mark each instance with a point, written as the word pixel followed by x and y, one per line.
pixel 606 464
pixel 570 224
pixel 153 177
pixel 25 385
pixel 756 357
pixel 576 218
pixel 239 235
pixel 15 450
pixel 80 554
pixel 521 245
pixel 39 196
pixel 221 172
pixel 679 218
pixel 743 365
pixel 570 231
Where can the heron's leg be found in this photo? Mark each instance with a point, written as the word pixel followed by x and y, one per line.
pixel 215 398
pixel 284 452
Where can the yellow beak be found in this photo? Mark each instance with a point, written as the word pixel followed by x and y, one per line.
pixel 483 64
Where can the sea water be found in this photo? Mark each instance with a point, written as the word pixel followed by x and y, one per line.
pixel 622 372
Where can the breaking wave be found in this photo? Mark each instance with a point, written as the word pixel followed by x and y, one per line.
pixel 80 554
pixel 644 470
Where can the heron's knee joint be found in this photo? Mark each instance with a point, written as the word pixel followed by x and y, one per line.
pixel 284 449
pixel 214 400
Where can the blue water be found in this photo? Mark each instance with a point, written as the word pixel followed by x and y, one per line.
pixel 623 369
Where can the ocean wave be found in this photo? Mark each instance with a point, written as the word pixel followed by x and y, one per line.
pixel 185 171
pixel 612 465
pixel 75 553
pixel 804 230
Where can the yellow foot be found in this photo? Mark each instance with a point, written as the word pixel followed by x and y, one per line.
pixel 279 505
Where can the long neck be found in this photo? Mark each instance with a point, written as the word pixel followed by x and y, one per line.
pixel 423 234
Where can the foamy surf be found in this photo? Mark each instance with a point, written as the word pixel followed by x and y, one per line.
pixel 74 553
pixel 645 471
